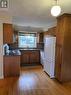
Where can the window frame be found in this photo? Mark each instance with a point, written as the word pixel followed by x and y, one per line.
pixel 23 33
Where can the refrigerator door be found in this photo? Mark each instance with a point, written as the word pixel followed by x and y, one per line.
pixel 49 54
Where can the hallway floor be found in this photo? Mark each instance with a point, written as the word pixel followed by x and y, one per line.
pixel 33 81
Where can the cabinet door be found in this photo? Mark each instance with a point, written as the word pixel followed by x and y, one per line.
pixel 24 57
pixel 58 62
pixel 7 33
pixel 60 31
pixel 15 66
pixel 11 66
pixel 41 37
pixel 52 31
pixel 7 67
pixel 34 57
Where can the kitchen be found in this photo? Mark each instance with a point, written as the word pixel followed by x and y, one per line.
pixel 17 55
pixel 35 48
pixel 39 51
pixel 12 68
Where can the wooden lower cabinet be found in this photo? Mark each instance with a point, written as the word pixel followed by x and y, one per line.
pixel 11 66
pixel 34 57
pixel 30 56
pixel 24 57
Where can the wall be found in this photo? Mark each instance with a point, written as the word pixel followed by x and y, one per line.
pixel 1 50
pixel 4 18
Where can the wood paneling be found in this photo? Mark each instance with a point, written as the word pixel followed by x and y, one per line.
pixel 11 66
pixel 7 33
pixel 33 81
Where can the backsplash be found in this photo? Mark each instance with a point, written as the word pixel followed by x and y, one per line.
pixel 15 46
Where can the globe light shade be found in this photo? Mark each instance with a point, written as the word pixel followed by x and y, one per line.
pixel 55 10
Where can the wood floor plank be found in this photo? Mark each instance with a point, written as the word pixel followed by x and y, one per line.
pixel 33 81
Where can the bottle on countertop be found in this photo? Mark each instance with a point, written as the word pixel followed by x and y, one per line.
pixel 6 49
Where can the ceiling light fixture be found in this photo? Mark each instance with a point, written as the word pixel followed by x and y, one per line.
pixel 56 9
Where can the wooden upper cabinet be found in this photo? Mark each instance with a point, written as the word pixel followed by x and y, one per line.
pixel 60 31
pixel 7 33
pixel 41 37
pixel 51 32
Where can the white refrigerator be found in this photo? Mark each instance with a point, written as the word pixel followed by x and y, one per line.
pixel 49 55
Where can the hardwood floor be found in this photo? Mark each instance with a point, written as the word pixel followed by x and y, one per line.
pixel 33 81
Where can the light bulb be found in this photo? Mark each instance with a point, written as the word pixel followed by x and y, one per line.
pixel 55 10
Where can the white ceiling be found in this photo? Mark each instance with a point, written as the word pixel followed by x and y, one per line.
pixel 36 13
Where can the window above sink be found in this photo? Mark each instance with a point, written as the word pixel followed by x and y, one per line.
pixel 27 40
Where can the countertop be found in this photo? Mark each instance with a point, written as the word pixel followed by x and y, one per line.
pixel 29 49
pixel 26 49
pixel 11 55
